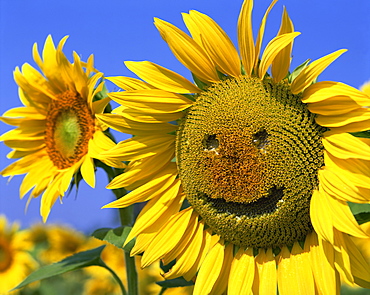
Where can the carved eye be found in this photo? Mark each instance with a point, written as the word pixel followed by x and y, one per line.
pixel 210 142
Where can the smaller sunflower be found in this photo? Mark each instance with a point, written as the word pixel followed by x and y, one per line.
pixel 15 262
pixel 56 134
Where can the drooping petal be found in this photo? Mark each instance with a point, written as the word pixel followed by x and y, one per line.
pixel 265 277
pixel 88 171
pixel 220 285
pixel 210 270
pixel 294 272
pixel 312 71
pixel 242 273
pixel 321 219
pixel 322 262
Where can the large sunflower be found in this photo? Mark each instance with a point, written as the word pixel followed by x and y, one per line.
pixel 56 132
pixel 247 175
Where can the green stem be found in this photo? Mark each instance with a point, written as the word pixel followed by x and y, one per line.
pixel 132 278
pixel 162 291
pixel 127 219
pixel 123 290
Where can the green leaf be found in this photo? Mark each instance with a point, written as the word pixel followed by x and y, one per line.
pixel 76 261
pixel 297 71
pixel 199 83
pixel 174 283
pixel 116 236
pixel 363 134
pixel 362 217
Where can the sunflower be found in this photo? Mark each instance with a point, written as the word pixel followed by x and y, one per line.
pixel 56 134
pixel 246 173
pixel 15 262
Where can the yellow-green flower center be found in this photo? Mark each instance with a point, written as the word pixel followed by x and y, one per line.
pixel 248 153
pixel 69 127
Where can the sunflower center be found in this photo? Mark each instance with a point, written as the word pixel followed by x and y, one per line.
pixel 69 127
pixel 248 153
pixel 5 255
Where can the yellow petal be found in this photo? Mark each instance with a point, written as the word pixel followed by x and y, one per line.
pixel 345 146
pixel 265 274
pixel 187 51
pixel 183 242
pixel 158 210
pixel 342 217
pixel 167 237
pixel 245 37
pixel 187 258
pixel 152 101
pixel 294 272
pixel 261 32
pixel 355 171
pixel 125 125
pixel 127 83
pixel 321 218
pixel 221 284
pixel 161 77
pixel 139 116
pixel 210 270
pixel 357 115
pixel 140 147
pixel 149 190
pixel 272 49
pixel 353 127
pixel 281 64
pixel 208 242
pixel 215 41
pixel 312 71
pixel 335 185
pixel 142 172
pixel 88 171
pixel 242 273
pixel 321 257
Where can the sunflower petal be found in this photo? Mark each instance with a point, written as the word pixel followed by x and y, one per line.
pixel 245 37
pixel 161 77
pixel 125 125
pixel 274 47
pixel 215 41
pixel 294 272
pixel 152 101
pixel 147 191
pixel 281 63
pixel 220 285
pixel 322 263
pixel 345 146
pixel 321 219
pixel 210 270
pixel 312 71
pixel 242 273
pixel 88 171
pixel 261 32
pixel 140 147
pixel 265 275
pixel 187 51
pixel 186 260
pixel 167 237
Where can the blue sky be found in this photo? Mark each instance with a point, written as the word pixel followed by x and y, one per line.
pixel 123 30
